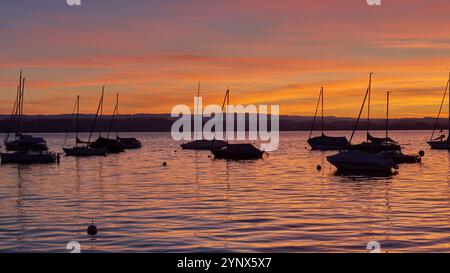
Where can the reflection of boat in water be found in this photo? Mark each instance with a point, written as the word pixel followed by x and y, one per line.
pixel 440 143
pixel 238 152
pixel 324 142
pixel 243 151
pixel 374 144
pixel 112 146
pixel 400 158
pixel 361 161
pixel 81 151
pixel 22 142
pixel 29 157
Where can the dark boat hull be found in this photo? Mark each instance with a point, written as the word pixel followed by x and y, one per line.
pixel 400 158
pixel 111 145
pixel 204 145
pixel 18 145
pixel 326 143
pixel 84 152
pixel 28 158
pixel 439 145
pixel 373 148
pixel 238 152
pixel 130 143
pixel 359 161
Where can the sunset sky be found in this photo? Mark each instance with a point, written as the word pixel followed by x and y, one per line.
pixel 154 52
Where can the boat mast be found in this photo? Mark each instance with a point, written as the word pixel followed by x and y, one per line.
pixel 101 113
pixel 96 115
pixel 20 126
pixel 448 87
pixel 387 114
pixel 368 105
pixel 113 117
pixel 197 115
pixel 440 109
pixel 322 113
pixel 14 111
pixel 315 114
pixel 361 111
pixel 76 121
pixel 226 102
pixel 117 113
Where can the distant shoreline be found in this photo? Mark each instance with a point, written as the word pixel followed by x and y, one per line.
pixel 163 123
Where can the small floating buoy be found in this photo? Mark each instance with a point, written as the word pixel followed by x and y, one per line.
pixel 92 230
pixel 164 164
pixel 319 168
pixel 421 153
pixel 175 151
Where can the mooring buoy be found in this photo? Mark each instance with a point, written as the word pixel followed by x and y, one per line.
pixel 92 230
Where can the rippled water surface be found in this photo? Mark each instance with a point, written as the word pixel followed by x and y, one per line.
pixel 279 204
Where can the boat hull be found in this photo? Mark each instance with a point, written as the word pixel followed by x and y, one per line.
pixel 400 158
pixel 84 151
pixel 204 145
pixel 238 152
pixel 28 158
pixel 360 161
pixel 18 145
pixel 111 145
pixel 130 143
pixel 325 143
pixel 374 148
pixel 439 145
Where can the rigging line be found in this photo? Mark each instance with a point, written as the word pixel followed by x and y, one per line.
pixel 440 111
pixel 315 115
pixel 71 118
pixel 96 115
pixel 13 114
pixel 113 117
pixel 227 94
pixel 359 116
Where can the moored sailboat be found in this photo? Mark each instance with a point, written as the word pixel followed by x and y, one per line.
pixel 242 151
pixel 202 144
pixel 440 143
pixel 373 144
pixel 83 150
pixel 127 142
pixel 22 142
pixel 26 148
pixel 324 142
pixel 112 146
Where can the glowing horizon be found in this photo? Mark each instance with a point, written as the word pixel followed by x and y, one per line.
pixel 154 52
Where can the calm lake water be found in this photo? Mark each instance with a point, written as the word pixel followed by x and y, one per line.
pixel 279 204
